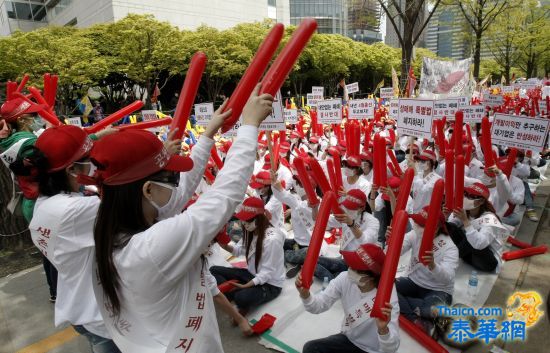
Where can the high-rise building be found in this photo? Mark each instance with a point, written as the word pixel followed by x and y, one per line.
pixel 331 15
pixel 31 14
pixel 445 34
pixel 357 19
pixel 364 20
pixel 391 38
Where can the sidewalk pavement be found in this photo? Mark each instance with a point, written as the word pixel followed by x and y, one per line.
pixel 27 321
pixel 525 275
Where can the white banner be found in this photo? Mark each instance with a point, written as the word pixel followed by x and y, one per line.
pixel 444 79
pixel 330 111
pixel 507 89
pixel 473 113
pixel 445 107
pixel 74 121
pixel 520 132
pixel 276 120
pixel 353 87
pixel 361 109
pixel 463 101
pixel 150 115
pixel 291 116
pixel 386 92
pixel 415 117
pixel 203 113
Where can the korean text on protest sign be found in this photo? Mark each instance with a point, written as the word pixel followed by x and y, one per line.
pixel 415 117
pixel 203 113
pixel 520 132
pixel 330 111
pixel 361 109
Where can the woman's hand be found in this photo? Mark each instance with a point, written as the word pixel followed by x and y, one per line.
pixel 304 292
pixel 249 284
pixel 344 219
pixel 173 146
pixel 429 260
pixel 460 213
pixel 383 324
pixel 218 119
pixel 257 108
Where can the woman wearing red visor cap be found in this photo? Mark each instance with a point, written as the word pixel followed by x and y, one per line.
pixel 477 232
pixel 356 288
pixel 150 282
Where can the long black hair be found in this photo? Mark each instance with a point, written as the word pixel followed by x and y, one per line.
pixel 119 217
pixel 36 165
pixel 262 223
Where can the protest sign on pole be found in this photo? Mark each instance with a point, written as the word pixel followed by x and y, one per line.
pixel 415 117
pixel 275 121
pixel 150 115
pixel 507 89
pixel 520 132
pixel 463 101
pixel 353 87
pixel 291 116
pixel 445 107
pixel 361 109
pixel 394 108
pixel 329 111
pixel 493 100
pixel 473 113
pixel 318 90
pixel 386 92
pixel 74 121
pixel 203 113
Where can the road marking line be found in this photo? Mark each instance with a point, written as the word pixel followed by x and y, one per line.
pixel 51 342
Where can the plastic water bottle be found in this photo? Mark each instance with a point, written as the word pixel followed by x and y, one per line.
pixel 325 282
pixel 472 287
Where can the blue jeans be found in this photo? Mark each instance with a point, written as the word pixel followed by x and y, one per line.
pixel 416 302
pixel 329 267
pixel 248 297
pixel 339 343
pixel 97 343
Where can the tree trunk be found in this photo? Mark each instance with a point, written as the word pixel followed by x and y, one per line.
pixel 477 55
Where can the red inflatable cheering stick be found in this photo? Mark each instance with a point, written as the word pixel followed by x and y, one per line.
pixel 518 254
pixel 317 237
pixel 319 175
pixel 459 183
pixel 145 124
pixel 449 180
pixel 306 183
pixel 383 293
pixel 277 73
pixel 252 75
pixel 188 93
pixel 116 116
pixel 486 144
pixel 431 223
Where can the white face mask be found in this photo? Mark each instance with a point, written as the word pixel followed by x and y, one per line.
pixel 376 129
pixel 352 214
pixel 469 204
pixel 167 210
pixel 356 278
pixel 349 172
pixel 419 168
pixel 250 226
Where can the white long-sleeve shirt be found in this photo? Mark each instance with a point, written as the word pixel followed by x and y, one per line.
pixel 301 214
pixel 362 184
pixel 422 189
pixel 500 194
pixel 365 336
pixel 369 231
pixel 271 268
pixel 62 228
pixel 446 262
pixel 154 266
pixel 485 231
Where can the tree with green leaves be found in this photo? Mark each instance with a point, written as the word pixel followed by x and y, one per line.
pixel 480 15
pixel 408 21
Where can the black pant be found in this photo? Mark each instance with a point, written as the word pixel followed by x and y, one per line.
pixel 249 297
pixel 51 276
pixel 483 260
pixel 339 343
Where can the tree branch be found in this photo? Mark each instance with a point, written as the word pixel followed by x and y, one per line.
pixel 426 22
